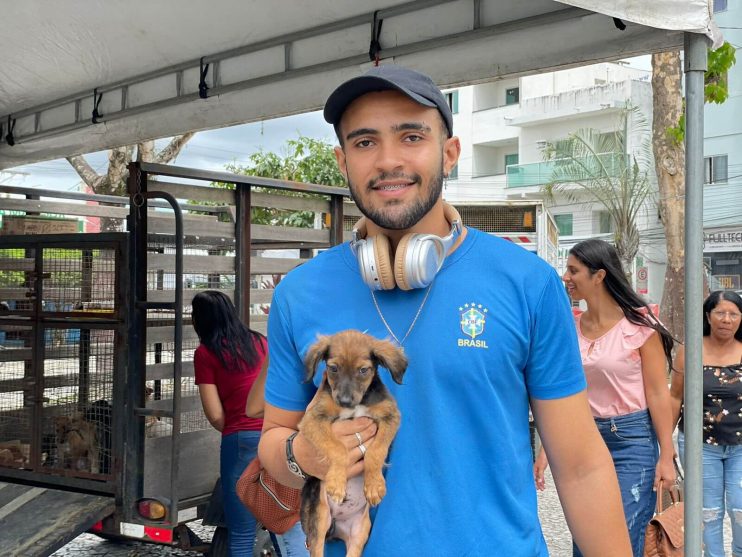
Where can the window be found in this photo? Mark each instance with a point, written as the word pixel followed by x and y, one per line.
pixel 511 159
pixel 454 174
pixel 452 98
pixel 720 6
pixel 564 224
pixel 605 222
pixel 715 169
pixel 512 96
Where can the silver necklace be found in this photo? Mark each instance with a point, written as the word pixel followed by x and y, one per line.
pixel 412 325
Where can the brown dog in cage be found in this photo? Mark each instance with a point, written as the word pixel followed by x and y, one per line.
pixel 338 507
pixel 77 444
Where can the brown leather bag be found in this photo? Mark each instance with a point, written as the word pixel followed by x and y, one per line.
pixel 665 533
pixel 274 505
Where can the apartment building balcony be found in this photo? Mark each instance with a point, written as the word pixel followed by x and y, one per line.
pixel 539 173
pixel 493 124
pixel 579 103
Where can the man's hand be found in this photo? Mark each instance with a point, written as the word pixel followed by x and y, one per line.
pixel 349 432
pixel 539 467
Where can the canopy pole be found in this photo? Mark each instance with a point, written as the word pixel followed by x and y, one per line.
pixel 695 66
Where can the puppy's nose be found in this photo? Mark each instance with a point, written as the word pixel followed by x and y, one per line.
pixel 346 401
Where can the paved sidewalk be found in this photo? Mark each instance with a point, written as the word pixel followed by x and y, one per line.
pixel 558 538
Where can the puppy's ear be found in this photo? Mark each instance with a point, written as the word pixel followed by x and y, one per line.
pixel 319 351
pixel 391 357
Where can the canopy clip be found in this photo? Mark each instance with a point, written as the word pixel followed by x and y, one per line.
pixel 9 139
pixel 374 49
pixel 96 103
pixel 202 87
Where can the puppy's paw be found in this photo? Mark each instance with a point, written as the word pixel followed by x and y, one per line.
pixel 374 488
pixel 335 486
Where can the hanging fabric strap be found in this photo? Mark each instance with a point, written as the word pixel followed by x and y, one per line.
pixel 374 49
pixel 96 103
pixel 202 87
pixel 9 139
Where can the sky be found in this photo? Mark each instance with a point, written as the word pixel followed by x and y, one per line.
pixel 208 150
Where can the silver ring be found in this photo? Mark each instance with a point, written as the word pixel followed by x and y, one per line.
pixel 360 439
pixel 363 449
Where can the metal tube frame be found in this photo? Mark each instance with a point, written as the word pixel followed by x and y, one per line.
pixel 695 66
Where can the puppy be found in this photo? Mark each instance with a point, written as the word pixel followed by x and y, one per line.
pixel 77 444
pixel 337 507
pixel 154 426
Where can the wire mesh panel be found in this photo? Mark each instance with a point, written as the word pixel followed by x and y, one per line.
pixel 61 332
pixel 495 219
pixel 17 279
pixel 77 417
pixel 78 279
pixel 16 394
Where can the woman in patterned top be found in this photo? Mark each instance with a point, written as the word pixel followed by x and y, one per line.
pixel 722 419
pixel 626 353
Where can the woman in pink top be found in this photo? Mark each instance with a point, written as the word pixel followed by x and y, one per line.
pixel 625 353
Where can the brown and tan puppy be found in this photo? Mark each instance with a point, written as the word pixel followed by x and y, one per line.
pixel 337 508
pixel 77 444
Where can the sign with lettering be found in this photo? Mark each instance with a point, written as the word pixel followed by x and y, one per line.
pixel 728 240
pixel 725 282
pixel 37 225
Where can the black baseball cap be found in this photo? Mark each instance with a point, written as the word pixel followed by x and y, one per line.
pixel 419 87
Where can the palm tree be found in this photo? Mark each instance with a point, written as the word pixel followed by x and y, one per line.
pixel 603 166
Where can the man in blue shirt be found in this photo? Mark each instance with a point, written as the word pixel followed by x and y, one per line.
pixel 487 330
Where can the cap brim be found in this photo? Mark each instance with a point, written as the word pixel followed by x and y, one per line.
pixel 354 88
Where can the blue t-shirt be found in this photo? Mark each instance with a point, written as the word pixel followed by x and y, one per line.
pixel 495 329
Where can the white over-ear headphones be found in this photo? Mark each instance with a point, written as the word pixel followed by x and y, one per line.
pixel 417 260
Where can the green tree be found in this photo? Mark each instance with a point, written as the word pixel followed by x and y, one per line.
pixel 601 165
pixel 668 132
pixel 305 160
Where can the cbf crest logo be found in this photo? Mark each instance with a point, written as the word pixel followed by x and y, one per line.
pixel 473 318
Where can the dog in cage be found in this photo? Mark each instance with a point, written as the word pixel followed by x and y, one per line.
pixel 77 444
pixel 154 426
pixel 100 414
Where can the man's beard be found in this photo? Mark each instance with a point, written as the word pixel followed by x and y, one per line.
pixel 385 216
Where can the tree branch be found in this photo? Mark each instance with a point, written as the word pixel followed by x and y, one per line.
pixel 91 178
pixel 173 149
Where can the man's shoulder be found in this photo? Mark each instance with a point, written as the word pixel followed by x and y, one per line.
pixel 508 253
pixel 327 263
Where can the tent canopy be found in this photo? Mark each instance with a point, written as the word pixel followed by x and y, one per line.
pixel 106 74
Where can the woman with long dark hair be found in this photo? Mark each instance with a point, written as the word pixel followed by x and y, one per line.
pixel 626 353
pixel 722 418
pixel 226 363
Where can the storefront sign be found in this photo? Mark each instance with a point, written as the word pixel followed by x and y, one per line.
pixel 729 240
pixel 725 282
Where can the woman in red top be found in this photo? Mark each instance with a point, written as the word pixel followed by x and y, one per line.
pixel 226 364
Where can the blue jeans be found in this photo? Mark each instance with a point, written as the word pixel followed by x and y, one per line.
pixel 632 443
pixel 722 489
pixel 292 543
pixel 237 450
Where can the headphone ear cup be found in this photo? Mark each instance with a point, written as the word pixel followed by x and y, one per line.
pixel 383 261
pixel 400 271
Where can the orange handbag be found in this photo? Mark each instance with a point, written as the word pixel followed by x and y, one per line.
pixel 665 533
pixel 274 505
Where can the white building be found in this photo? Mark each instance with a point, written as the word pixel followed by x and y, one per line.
pixel 722 190
pixel 504 125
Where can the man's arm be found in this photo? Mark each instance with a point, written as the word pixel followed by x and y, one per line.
pixel 584 475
